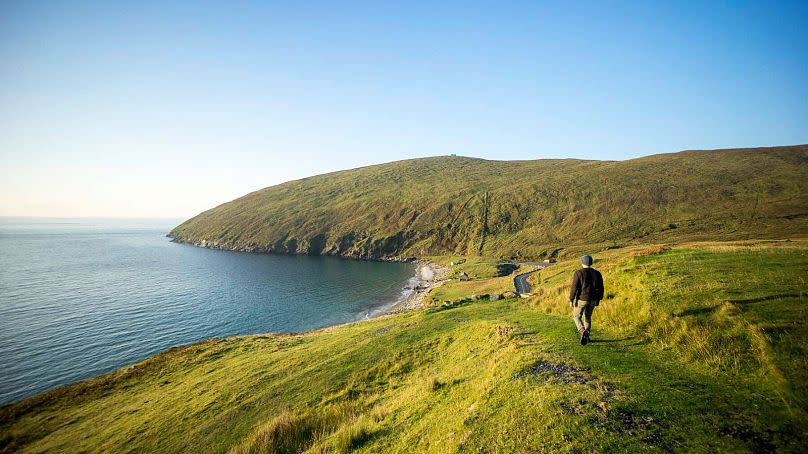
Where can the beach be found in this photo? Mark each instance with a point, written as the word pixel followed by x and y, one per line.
pixel 428 275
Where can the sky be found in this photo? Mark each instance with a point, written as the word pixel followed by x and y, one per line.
pixel 166 109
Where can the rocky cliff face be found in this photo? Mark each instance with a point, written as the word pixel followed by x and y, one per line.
pixel 386 249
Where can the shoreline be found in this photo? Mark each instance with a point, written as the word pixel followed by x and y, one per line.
pixel 216 246
pixel 428 276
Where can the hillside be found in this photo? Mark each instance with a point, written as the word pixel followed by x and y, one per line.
pixel 537 209
pixel 697 348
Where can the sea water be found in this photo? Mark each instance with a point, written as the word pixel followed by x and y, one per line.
pixel 79 297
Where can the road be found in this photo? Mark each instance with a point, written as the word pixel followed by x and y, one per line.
pixel 520 280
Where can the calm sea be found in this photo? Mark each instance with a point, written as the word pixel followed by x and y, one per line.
pixel 82 297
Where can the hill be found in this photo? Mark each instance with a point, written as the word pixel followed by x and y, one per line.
pixel 697 348
pixel 536 209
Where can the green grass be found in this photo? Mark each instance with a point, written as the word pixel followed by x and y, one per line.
pixel 532 209
pixel 487 276
pixel 697 348
pixel 454 290
pixel 475 267
pixel 729 307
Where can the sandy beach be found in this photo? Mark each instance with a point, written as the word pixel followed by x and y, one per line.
pixel 428 275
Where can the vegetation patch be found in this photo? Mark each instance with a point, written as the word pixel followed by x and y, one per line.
pixel 631 423
pixel 549 208
pixel 292 433
pixel 563 373
pixel 487 276
pixel 501 333
pixel 698 348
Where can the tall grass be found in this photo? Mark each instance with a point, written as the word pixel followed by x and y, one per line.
pixel 687 299
pixel 338 426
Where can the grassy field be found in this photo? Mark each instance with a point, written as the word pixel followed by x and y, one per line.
pixel 737 307
pixel 532 209
pixel 487 276
pixel 698 347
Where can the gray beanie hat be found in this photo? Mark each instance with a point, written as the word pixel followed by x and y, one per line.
pixel 587 260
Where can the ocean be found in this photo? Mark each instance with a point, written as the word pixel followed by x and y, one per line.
pixel 80 297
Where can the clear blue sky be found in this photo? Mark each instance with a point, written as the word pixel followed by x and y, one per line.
pixel 168 108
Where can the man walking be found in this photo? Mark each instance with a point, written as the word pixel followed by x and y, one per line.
pixel 585 294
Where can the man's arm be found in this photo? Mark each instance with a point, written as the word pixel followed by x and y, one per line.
pixel 599 285
pixel 575 287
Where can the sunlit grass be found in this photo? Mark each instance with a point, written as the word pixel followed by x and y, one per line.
pixel 733 307
pixel 487 277
pixel 696 348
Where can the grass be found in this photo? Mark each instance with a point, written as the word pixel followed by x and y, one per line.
pixel 728 307
pixel 532 209
pixel 454 290
pixel 699 347
pixel 475 267
pixel 487 277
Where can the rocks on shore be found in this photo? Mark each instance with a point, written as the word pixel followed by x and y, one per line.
pixel 241 247
pixel 429 275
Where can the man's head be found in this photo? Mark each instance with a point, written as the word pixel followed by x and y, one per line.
pixel 586 261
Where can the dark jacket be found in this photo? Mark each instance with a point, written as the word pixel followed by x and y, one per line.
pixel 587 285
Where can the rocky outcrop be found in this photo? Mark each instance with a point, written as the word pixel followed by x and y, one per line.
pixel 384 249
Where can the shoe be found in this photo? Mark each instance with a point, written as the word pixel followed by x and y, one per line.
pixel 584 337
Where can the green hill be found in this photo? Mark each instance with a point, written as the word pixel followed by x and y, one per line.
pixel 697 348
pixel 542 208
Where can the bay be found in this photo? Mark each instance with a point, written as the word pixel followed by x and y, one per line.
pixel 79 297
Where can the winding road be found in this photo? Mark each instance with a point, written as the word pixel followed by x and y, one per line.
pixel 520 280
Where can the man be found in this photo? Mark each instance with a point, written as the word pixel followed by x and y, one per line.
pixel 585 294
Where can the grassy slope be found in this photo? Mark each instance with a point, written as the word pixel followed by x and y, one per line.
pixel 438 206
pixel 484 376
pixel 736 307
pixel 488 276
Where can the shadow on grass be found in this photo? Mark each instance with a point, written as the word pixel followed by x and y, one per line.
pixel 699 311
pixel 631 341
pixel 610 341
pixel 711 309
pixel 767 298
